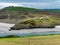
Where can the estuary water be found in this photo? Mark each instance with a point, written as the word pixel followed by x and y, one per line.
pixel 4 30
pixel 30 32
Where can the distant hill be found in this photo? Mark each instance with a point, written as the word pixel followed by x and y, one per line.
pixel 21 13
pixel 12 8
pixel 28 11
pixel 16 12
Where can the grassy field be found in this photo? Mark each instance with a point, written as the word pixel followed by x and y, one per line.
pixel 36 40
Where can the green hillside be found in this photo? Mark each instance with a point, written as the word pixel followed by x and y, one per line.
pixel 11 8
pixel 18 14
pixel 25 12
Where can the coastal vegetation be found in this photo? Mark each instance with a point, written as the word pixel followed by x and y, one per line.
pixel 36 40
pixel 37 22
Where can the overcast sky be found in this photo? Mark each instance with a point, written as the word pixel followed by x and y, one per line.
pixel 41 4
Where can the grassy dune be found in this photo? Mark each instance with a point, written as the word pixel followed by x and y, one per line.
pixel 38 40
pixel 38 22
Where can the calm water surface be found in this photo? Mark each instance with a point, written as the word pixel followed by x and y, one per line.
pixel 30 32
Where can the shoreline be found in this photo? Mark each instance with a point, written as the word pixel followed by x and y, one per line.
pixel 4 28
pixel 37 30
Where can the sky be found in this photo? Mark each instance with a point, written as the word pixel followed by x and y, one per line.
pixel 39 4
